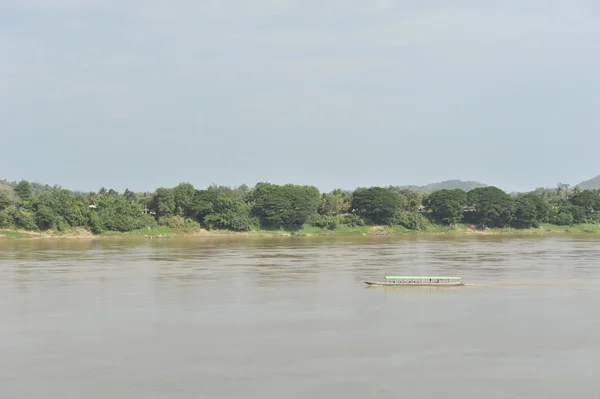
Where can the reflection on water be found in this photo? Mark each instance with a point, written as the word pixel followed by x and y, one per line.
pixel 291 318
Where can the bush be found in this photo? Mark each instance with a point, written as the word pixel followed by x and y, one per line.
pixel 25 219
pixel 6 219
pixel 563 219
pixel 174 222
pixel 412 221
pixel 227 221
pixel 96 225
pixel 324 221
pixel 230 214
pixel 62 225
pixel 178 223
pixel 351 220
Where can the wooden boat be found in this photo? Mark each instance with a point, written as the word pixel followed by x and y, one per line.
pixel 417 281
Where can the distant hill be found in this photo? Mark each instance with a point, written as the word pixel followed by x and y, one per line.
pixel 447 185
pixel 35 187
pixel 592 184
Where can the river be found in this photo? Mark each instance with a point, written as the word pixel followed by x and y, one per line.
pixel 292 318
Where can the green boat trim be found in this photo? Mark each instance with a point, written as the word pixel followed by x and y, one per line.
pixel 421 278
pixel 414 284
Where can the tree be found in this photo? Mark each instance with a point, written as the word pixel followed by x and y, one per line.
pixel 23 190
pixel 46 218
pixel 203 203
pixel 588 200
pixel 5 200
pixel 412 199
pixel 446 206
pixel 229 213
pixel 6 218
pixel 184 199
pixel 526 215
pixel 412 220
pixel 163 202
pixel 77 215
pixel 492 207
pixel 25 219
pixel 304 201
pixel 335 203
pixel 542 206
pixel 376 205
pixel 284 207
pixel 563 219
pixel 121 215
pixel 130 195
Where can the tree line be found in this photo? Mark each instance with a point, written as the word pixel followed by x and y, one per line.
pixel 290 207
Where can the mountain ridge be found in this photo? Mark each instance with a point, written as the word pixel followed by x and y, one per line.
pixel 465 185
pixel 591 184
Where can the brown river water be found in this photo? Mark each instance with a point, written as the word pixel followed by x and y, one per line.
pixel 292 318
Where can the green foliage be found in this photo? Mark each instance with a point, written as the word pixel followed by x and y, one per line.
pixel 46 218
pixel 284 207
pixel 163 202
pixel 5 200
pixel 23 190
pixel 351 220
pixel 240 192
pixel 580 214
pixel 586 203
pixel 563 219
pixel 324 221
pixel 178 223
pixel 526 215
pixel 412 221
pixel 60 209
pixel 377 205
pixel 7 219
pixel 203 203
pixel 335 203
pixel 492 207
pixel 230 214
pixel 130 195
pixel 25 219
pixel 446 206
pixel 32 206
pixel 96 225
pixel 542 206
pixel 413 200
pixel 120 214
pixel 333 222
pixel 183 195
pixel 77 215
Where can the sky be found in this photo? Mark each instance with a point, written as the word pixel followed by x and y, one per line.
pixel 142 94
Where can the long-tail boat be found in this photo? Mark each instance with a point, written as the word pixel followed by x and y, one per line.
pixel 412 281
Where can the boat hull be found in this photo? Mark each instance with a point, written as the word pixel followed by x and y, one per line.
pixel 387 284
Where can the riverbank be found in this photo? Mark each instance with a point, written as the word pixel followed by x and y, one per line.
pixel 165 232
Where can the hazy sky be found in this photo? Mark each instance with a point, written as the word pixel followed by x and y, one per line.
pixel 335 93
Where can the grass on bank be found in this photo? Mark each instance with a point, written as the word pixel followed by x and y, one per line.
pixel 459 229
pixel 577 228
pixel 15 234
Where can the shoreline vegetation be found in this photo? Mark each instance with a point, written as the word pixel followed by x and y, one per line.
pixel 387 231
pixel 33 211
pixel 393 231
